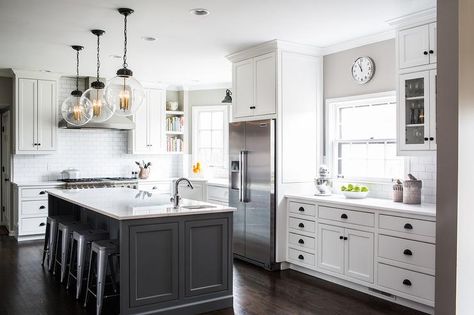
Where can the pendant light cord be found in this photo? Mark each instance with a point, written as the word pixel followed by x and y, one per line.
pixel 125 65
pixel 98 56
pixel 77 70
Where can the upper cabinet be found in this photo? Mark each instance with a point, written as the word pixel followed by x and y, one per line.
pixel 254 87
pixel 35 110
pixel 417 46
pixel 147 136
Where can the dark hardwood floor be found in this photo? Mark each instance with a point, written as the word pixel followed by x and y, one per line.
pixel 25 288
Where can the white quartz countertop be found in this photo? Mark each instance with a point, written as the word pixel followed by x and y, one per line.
pixel 39 183
pixel 127 203
pixel 371 204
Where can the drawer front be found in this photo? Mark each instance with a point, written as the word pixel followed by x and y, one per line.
pixel 300 256
pixel 302 225
pixel 407 225
pixel 410 282
pixel 302 208
pixel 30 226
pixel 37 193
pixel 301 241
pixel 34 208
pixel 347 216
pixel 407 251
pixel 218 193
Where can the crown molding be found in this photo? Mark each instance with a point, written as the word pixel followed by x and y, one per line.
pixel 358 42
pixel 414 19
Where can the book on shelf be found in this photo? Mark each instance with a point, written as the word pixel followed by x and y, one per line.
pixel 175 123
pixel 174 144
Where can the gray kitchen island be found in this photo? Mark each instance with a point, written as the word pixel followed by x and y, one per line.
pixel 172 261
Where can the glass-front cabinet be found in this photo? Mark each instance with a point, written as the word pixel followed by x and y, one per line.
pixel 417 111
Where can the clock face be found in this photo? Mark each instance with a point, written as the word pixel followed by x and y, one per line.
pixel 363 70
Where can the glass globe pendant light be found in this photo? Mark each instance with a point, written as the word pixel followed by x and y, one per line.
pixel 101 110
pixel 124 92
pixel 76 110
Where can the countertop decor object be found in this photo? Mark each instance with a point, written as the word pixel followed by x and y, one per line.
pixel 71 173
pixel 172 105
pixel 124 92
pixel 323 182
pixel 398 191
pixel 101 110
pixel 144 172
pixel 354 191
pixel 75 109
pixel 412 190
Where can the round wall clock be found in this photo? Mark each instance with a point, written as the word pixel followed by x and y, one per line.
pixel 363 70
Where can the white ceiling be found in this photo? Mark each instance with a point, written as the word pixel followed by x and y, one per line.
pixel 189 50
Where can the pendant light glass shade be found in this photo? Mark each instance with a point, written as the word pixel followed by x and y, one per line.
pixel 101 110
pixel 124 92
pixel 75 109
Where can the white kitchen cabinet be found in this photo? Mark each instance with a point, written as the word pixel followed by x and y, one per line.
pixel 199 193
pixel 254 87
pixel 147 136
pixel 35 114
pixel 331 248
pixel 417 112
pixel 359 255
pixel 218 194
pixel 417 46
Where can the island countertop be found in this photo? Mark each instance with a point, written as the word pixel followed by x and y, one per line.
pixel 128 204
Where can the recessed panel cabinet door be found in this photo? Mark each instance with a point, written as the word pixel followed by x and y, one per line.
pixel 331 248
pixel 433 44
pixel 414 47
pixel 359 255
pixel 243 97
pixel 265 84
pixel 140 133
pixel 27 106
pixel 47 124
pixel 155 108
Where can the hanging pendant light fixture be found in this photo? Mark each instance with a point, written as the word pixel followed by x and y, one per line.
pixel 228 97
pixel 101 110
pixel 124 92
pixel 77 110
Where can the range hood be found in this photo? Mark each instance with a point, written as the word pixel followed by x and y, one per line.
pixel 115 122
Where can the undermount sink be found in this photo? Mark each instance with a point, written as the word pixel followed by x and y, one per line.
pixel 196 207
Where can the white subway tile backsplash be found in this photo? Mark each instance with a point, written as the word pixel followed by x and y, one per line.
pixel 94 152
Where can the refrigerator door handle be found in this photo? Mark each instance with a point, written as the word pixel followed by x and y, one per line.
pixel 243 176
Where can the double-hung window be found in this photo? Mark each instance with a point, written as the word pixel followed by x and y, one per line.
pixel 210 137
pixel 361 138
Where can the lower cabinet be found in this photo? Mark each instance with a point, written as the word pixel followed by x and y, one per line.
pixel 346 251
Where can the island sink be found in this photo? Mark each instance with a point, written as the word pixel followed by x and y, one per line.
pixel 172 261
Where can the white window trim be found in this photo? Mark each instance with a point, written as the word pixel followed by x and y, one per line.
pixel 225 109
pixel 330 129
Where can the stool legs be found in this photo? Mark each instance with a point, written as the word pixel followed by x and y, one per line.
pixel 101 272
pixel 72 257
pixel 81 257
pixel 88 278
pixel 64 252
pixel 55 257
pixel 53 231
pixel 46 247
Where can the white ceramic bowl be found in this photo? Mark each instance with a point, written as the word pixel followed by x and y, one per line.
pixel 355 195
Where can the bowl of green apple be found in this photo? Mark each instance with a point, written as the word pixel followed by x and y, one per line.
pixel 354 191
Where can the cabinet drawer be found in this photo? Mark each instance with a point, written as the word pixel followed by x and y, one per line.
pixel 37 193
pixel 34 208
pixel 303 257
pixel 410 282
pixel 407 225
pixel 302 225
pixel 302 208
pixel 301 241
pixel 346 216
pixel 218 193
pixel 407 251
pixel 29 226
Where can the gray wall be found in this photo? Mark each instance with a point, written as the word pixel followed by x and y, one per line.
pixel 6 92
pixel 338 80
pixel 447 157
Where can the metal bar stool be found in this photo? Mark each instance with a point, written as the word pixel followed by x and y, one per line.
pixel 50 238
pixel 80 243
pixel 104 252
pixel 63 238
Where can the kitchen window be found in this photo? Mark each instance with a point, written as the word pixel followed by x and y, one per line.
pixel 210 137
pixel 361 138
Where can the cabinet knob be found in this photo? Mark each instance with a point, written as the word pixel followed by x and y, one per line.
pixel 301 209
pixel 426 139
pixel 301 257
pixel 252 107
pixel 301 225
pixel 407 282
pixel 341 237
pixel 425 53
pixel 42 192
pixel 42 207
pixel 431 138
pixel 408 226
pixel 407 252
pixel 38 144
pixel 345 238
pixel 301 241
pixel 42 224
pixel 343 216
pixel 431 51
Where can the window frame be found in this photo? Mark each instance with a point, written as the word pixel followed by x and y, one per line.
pixel 195 132
pixel 331 107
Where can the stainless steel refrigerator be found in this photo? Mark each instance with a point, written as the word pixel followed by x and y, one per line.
pixel 252 190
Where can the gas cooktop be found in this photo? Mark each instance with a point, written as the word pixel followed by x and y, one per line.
pixel 99 179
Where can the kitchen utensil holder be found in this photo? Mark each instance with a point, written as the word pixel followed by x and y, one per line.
pixel 144 173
